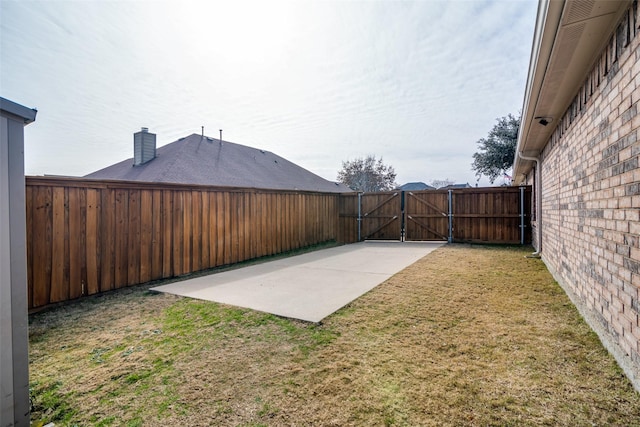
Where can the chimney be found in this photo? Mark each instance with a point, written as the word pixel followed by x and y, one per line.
pixel 144 147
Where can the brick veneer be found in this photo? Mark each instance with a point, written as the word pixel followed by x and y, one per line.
pixel 591 198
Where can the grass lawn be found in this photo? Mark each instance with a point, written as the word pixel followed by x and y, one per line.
pixel 468 335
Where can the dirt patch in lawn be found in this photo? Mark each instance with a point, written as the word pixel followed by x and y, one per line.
pixel 468 335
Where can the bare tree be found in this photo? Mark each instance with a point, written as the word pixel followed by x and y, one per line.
pixel 367 174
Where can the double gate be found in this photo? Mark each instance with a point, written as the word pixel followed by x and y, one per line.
pixel 496 215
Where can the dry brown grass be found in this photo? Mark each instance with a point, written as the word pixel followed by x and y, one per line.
pixel 469 335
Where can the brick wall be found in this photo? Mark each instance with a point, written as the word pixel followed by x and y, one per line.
pixel 591 197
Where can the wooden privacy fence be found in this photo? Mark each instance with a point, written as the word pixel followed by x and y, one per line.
pixel 492 215
pixel 85 236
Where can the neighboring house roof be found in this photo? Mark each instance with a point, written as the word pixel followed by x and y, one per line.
pixel 206 161
pixel 452 186
pixel 415 186
pixel 569 35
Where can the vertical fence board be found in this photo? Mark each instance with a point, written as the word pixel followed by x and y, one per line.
pixel 244 220
pixel 59 286
pixel 220 227
pixel 133 239
pixel 156 213
pixel 265 214
pixel 92 254
pixel 167 233
pixel 254 234
pixel 146 236
pixel 245 237
pixel 250 225
pixel 42 245
pixel 285 230
pixel 224 228
pixel 178 230
pixel 232 216
pixel 121 236
pixel 213 226
pixel 187 231
pixel 83 242
pixel 289 230
pixel 204 257
pixel 76 244
pixel 107 240
pixel 279 218
pixel 303 222
pixel 196 231
pixel 240 222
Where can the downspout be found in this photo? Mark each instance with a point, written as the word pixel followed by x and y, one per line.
pixel 538 194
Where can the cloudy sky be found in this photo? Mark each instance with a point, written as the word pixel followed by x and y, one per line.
pixel 317 82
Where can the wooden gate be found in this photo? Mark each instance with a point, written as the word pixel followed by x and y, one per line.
pixel 427 216
pixel 381 216
pixel 494 214
pixel 490 214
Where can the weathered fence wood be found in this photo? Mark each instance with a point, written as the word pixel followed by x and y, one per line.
pixel 488 214
pixel 85 236
pixel 427 215
pixel 491 214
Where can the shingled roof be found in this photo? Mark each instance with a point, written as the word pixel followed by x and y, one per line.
pixel 201 160
pixel 416 186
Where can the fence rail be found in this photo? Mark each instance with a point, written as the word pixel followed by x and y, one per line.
pixel 87 236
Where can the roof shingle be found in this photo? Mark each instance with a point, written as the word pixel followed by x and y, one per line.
pixel 206 161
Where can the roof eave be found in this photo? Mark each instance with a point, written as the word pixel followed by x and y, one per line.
pixel 547 22
pixel 551 82
pixel 27 115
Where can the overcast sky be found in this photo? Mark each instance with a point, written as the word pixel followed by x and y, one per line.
pixel 317 82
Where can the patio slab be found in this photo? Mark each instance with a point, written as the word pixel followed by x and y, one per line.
pixel 310 286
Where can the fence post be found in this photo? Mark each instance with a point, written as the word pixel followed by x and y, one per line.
pixel 450 216
pixel 522 215
pixel 402 218
pixel 359 215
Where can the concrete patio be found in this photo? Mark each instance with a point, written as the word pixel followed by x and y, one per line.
pixel 310 286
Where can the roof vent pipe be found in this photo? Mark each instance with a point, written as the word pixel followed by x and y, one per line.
pixel 537 192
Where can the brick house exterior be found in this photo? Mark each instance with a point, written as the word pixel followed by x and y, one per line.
pixel 578 145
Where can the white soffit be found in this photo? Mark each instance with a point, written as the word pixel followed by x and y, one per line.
pixel 567 44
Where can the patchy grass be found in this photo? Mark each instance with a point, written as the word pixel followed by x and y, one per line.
pixel 469 335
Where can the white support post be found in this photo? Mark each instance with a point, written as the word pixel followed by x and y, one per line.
pixel 14 321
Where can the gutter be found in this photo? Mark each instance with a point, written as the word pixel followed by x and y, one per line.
pixel 547 26
pixel 538 194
